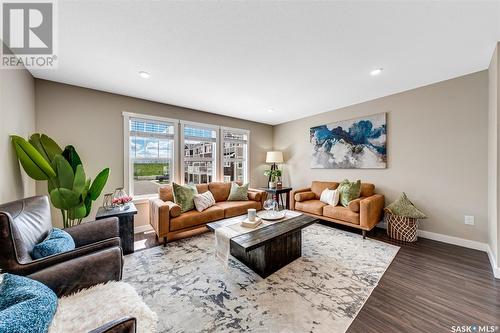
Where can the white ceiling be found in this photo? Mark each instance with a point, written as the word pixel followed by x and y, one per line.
pixel 243 58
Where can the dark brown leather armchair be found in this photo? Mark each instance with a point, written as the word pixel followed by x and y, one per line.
pixel 96 259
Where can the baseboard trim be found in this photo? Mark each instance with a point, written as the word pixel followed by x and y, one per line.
pixel 460 242
pixel 142 228
pixel 493 262
pixel 448 239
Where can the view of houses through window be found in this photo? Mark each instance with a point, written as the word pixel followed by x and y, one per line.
pixel 200 152
pixel 152 157
pixel 235 151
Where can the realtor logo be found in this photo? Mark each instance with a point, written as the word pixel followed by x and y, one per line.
pixel 28 34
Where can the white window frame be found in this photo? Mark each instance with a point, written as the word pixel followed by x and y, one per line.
pixel 128 177
pixel 215 159
pixel 246 159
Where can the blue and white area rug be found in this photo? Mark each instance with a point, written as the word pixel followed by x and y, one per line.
pixel 320 292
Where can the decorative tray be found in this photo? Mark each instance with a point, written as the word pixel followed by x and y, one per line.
pixel 271 215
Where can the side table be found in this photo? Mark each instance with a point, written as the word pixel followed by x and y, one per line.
pixel 126 222
pixel 278 192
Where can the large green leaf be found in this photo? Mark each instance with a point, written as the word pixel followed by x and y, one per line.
pixel 63 198
pixel 79 181
pixel 32 161
pixel 88 205
pixel 77 212
pixel 72 157
pixel 65 173
pixel 98 184
pixel 86 189
pixel 28 165
pixel 50 146
pixel 35 141
pixel 52 183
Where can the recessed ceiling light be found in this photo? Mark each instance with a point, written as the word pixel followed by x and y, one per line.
pixel 270 111
pixel 376 71
pixel 144 74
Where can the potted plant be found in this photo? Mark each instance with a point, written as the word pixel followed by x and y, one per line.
pixel 68 187
pixel 273 175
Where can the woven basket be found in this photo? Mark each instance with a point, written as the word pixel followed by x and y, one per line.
pixel 401 228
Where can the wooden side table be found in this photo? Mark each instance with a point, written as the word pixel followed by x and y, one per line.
pixel 278 192
pixel 126 222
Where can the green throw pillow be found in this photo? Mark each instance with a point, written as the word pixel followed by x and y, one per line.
pixel 184 196
pixel 349 191
pixel 404 207
pixel 238 193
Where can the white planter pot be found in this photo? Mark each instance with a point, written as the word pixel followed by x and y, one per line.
pixel 272 184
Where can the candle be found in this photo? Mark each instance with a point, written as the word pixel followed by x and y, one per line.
pixel 252 213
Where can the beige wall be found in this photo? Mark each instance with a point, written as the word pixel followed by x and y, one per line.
pixel 92 121
pixel 17 116
pixel 437 144
pixel 437 152
pixel 493 146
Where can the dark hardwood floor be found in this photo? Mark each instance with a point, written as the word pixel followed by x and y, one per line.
pixel 429 287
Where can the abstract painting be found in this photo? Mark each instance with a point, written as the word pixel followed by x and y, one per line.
pixel 350 144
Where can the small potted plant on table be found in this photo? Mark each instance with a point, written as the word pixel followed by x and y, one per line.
pixel 274 175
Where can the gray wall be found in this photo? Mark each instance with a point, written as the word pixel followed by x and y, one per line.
pixel 92 121
pixel 17 114
pixel 437 152
pixel 493 146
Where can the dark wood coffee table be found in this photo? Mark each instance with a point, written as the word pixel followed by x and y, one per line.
pixel 267 249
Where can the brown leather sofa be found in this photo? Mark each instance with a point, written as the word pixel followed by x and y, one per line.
pixel 362 213
pixel 96 259
pixel 168 222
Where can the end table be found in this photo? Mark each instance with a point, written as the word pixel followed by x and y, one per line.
pixel 126 222
pixel 278 192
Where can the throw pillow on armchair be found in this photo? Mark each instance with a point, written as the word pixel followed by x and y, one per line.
pixel 58 241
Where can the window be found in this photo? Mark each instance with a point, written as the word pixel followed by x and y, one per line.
pixel 157 153
pixel 200 153
pixel 235 155
pixel 151 153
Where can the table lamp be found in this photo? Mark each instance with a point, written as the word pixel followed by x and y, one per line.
pixel 274 157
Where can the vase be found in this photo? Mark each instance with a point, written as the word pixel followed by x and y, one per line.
pixel 272 184
pixel 121 199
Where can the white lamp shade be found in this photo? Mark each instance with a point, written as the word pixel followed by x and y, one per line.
pixel 274 157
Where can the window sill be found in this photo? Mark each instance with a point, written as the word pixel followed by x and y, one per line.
pixel 142 199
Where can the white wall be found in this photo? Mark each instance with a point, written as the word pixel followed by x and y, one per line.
pixel 493 155
pixel 437 152
pixel 17 116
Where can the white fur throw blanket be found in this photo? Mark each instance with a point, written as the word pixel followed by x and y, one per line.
pixel 90 308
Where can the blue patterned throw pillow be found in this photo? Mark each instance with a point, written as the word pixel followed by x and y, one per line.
pixel 58 241
pixel 26 305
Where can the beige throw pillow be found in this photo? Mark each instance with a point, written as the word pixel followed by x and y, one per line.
pixel 330 197
pixel 204 200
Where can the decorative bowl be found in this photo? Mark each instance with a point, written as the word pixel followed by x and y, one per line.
pixel 271 215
